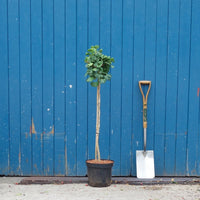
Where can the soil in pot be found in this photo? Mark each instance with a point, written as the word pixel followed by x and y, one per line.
pixel 99 172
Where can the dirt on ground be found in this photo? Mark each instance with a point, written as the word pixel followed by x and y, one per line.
pixel 11 190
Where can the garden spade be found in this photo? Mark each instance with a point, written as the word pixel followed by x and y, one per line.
pixel 144 158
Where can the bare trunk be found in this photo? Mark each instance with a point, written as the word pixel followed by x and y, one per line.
pixel 97 151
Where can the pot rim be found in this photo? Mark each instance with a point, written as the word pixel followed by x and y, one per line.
pixel 101 162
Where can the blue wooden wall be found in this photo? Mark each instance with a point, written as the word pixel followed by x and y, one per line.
pixel 47 110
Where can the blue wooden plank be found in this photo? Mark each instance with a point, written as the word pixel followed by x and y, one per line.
pixel 14 87
pixel 150 64
pixel 25 84
pixel 37 110
pixel 59 77
pixel 198 161
pixel 105 88
pixel 160 84
pixel 138 74
pixel 148 39
pixel 116 52
pixel 48 91
pixel 4 94
pixel 193 124
pixel 82 16
pixel 171 93
pixel 93 39
pixel 183 90
pixel 71 86
pixel 127 73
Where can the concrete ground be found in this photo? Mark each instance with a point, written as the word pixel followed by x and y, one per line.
pixel 78 189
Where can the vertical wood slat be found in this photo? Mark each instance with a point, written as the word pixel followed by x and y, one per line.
pixel 104 42
pixel 48 111
pixel 150 67
pixel 138 74
pixel 48 84
pixel 71 104
pixel 59 87
pixel 160 84
pixel 183 84
pixel 127 77
pixel 14 87
pixel 82 106
pixel 193 115
pixel 116 51
pixel 37 87
pixel 25 85
pixel 93 39
pixel 171 85
pixel 4 90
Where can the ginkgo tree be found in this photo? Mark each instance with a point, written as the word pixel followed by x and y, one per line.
pixel 98 71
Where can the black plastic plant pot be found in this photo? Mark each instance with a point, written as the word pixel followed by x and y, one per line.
pixel 99 172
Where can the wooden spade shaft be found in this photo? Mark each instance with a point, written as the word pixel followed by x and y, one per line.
pixel 145 108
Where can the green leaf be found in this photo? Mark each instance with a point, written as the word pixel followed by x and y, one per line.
pixel 96 46
pixel 112 60
pixel 90 79
pixel 94 69
pixel 100 62
pixel 98 66
pixel 102 80
pixel 90 64
pixel 94 84
pixel 90 50
pixel 86 60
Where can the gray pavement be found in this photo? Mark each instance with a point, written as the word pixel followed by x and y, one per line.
pixel 13 188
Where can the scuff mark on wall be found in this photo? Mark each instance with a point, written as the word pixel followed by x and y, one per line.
pixel 52 130
pixel 33 127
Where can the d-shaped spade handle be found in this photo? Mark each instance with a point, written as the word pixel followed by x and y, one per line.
pixel 144 100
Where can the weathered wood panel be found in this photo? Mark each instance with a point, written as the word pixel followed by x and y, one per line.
pixel 48 111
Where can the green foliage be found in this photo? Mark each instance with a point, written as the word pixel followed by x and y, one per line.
pixel 98 66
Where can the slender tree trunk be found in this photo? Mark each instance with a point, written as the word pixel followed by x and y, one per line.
pixel 97 151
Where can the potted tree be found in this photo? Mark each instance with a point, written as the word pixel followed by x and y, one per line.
pixel 98 67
